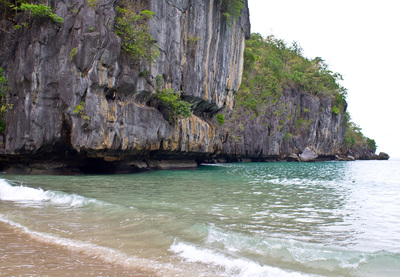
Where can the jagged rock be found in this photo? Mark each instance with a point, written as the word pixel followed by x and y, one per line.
pixel 344 158
pixel 350 158
pixel 383 156
pixel 245 160
pixel 308 155
pixel 294 157
pixel 361 153
pixel 264 136
pixel 173 164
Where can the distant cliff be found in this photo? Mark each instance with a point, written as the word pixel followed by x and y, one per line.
pixel 288 103
pixel 297 120
pixel 84 97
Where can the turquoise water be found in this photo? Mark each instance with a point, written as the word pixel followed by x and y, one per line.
pixel 244 219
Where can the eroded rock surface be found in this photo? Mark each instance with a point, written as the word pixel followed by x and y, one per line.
pixel 80 104
pixel 54 68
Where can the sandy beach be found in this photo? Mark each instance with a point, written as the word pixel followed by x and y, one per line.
pixel 22 256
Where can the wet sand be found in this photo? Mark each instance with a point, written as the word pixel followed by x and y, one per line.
pixel 22 256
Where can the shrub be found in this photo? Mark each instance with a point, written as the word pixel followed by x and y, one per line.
pixel 270 66
pixel 175 105
pixel 144 73
pixel 301 124
pixel 93 3
pixel 192 43
pixel 232 9
pixel 287 137
pixel 220 119
pixel 159 83
pixel 136 39
pixel 355 138
pixel 41 11
pixel 371 144
pixel 80 109
pixel 4 106
pixel 3 83
pixel 72 54
pixel 335 110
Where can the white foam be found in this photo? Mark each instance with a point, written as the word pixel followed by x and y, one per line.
pixel 22 193
pixel 231 266
pixel 209 164
pixel 310 255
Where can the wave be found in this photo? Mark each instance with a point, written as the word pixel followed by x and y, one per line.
pixel 216 164
pixel 230 266
pixel 308 256
pixel 224 264
pixel 23 193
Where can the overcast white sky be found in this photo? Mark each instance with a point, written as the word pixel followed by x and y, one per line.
pixel 359 39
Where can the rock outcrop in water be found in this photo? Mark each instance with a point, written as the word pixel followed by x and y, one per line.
pixel 81 105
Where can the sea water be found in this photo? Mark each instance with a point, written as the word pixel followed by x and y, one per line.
pixel 243 219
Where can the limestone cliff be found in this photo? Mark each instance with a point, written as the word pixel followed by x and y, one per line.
pixel 294 122
pixel 289 104
pixel 80 104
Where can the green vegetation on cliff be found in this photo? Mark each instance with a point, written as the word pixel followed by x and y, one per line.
pixel 39 11
pixel 270 66
pixel 4 105
pixel 134 32
pixel 174 104
pixel 354 138
pixel 232 9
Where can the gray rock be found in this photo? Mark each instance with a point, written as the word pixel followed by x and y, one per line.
pixel 294 157
pixel 344 158
pixel 350 158
pixel 383 156
pixel 308 155
pixel 264 136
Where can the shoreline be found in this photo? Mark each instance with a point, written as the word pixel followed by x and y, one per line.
pixel 100 166
pixel 21 255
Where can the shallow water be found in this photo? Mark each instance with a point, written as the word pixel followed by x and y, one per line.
pixel 247 219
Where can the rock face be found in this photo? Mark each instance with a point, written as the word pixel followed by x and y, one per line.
pixel 78 102
pixel 362 153
pixel 295 122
